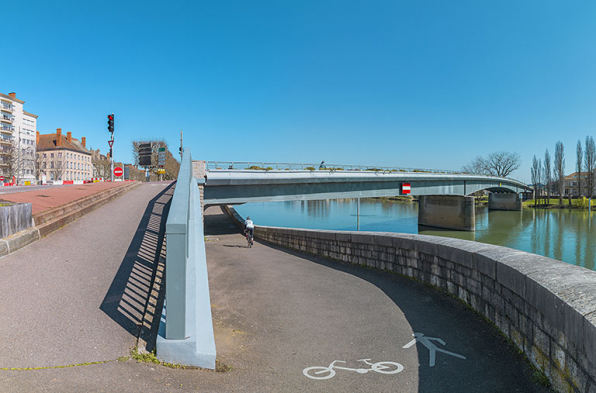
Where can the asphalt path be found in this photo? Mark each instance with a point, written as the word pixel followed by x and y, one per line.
pixel 275 314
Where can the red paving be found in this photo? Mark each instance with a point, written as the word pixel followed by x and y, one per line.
pixel 50 197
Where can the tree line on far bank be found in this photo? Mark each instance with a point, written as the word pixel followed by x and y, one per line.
pixel 554 178
pixel 548 177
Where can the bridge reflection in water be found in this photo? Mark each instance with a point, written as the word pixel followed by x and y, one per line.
pixel 566 235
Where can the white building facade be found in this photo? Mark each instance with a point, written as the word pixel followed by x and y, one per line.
pixel 17 140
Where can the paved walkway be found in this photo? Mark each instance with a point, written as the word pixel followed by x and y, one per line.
pixel 76 296
pixel 49 197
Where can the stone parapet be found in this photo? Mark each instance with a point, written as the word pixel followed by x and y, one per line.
pixel 546 307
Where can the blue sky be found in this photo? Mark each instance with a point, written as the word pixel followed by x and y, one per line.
pixel 428 84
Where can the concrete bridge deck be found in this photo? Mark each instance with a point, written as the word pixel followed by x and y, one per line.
pixel 77 296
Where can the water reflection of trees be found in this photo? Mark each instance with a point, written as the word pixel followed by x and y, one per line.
pixel 561 234
pixel 313 209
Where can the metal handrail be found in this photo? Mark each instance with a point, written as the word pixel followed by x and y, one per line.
pixel 244 165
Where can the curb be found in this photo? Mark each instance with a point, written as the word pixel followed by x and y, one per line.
pixel 53 219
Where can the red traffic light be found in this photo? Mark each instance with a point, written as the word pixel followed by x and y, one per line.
pixel 111 117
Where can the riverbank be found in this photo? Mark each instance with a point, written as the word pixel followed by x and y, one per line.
pixel 544 203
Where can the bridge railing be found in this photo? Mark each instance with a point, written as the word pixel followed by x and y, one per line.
pixel 186 330
pixel 260 165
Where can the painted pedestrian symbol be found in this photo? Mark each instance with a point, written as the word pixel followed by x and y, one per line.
pixel 426 341
pixel 319 372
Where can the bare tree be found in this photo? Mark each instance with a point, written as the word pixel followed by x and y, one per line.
pixel 476 167
pixel 536 175
pixel 560 169
pixel 590 165
pixel 579 157
pixel 502 163
pixel 547 175
pixel 57 165
pixel 51 163
pixel 171 166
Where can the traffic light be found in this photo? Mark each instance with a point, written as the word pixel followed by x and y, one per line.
pixel 145 153
pixel 111 122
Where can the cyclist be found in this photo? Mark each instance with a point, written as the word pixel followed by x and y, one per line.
pixel 249 228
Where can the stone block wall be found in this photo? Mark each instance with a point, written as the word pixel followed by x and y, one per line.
pixel 546 307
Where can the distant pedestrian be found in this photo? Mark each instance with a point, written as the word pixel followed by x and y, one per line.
pixel 322 166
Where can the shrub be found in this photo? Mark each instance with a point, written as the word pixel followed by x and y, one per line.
pixel 310 168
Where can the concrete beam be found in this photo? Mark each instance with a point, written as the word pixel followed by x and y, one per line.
pixel 447 211
pixel 237 186
pixel 504 202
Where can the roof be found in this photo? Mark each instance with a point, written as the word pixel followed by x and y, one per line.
pixel 30 114
pixel 574 175
pixel 48 142
pixel 12 98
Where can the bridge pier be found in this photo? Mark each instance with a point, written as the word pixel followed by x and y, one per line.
pixel 504 202
pixel 447 211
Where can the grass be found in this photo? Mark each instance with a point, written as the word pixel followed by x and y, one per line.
pixel 150 357
pixel 554 202
pixel 540 378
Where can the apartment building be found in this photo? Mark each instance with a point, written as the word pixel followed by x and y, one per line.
pixel 572 187
pixel 63 157
pixel 17 140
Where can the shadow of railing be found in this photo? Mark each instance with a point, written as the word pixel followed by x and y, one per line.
pixel 130 301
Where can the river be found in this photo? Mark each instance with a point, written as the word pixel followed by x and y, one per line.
pixel 565 235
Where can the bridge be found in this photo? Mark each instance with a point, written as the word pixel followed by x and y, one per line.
pixel 445 200
pixel 545 307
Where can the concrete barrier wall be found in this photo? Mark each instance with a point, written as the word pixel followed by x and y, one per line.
pixel 15 217
pixel 546 307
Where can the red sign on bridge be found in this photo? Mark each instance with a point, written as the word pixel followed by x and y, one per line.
pixel 405 188
pixel 118 171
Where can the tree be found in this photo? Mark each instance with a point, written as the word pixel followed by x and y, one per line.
pixel 501 164
pixel 536 175
pixel 171 167
pixel 476 167
pixel 579 156
pixel 560 169
pixel 590 164
pixel 547 175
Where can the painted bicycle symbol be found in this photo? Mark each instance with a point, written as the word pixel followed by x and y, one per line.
pixel 319 372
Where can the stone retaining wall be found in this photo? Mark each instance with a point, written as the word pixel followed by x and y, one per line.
pixel 546 307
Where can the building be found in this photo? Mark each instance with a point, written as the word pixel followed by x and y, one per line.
pixel 17 140
pixel 63 157
pixel 571 185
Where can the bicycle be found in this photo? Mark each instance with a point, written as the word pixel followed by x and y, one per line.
pixel 329 372
pixel 249 239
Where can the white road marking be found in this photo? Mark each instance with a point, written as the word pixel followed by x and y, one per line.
pixel 329 372
pixel 426 341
